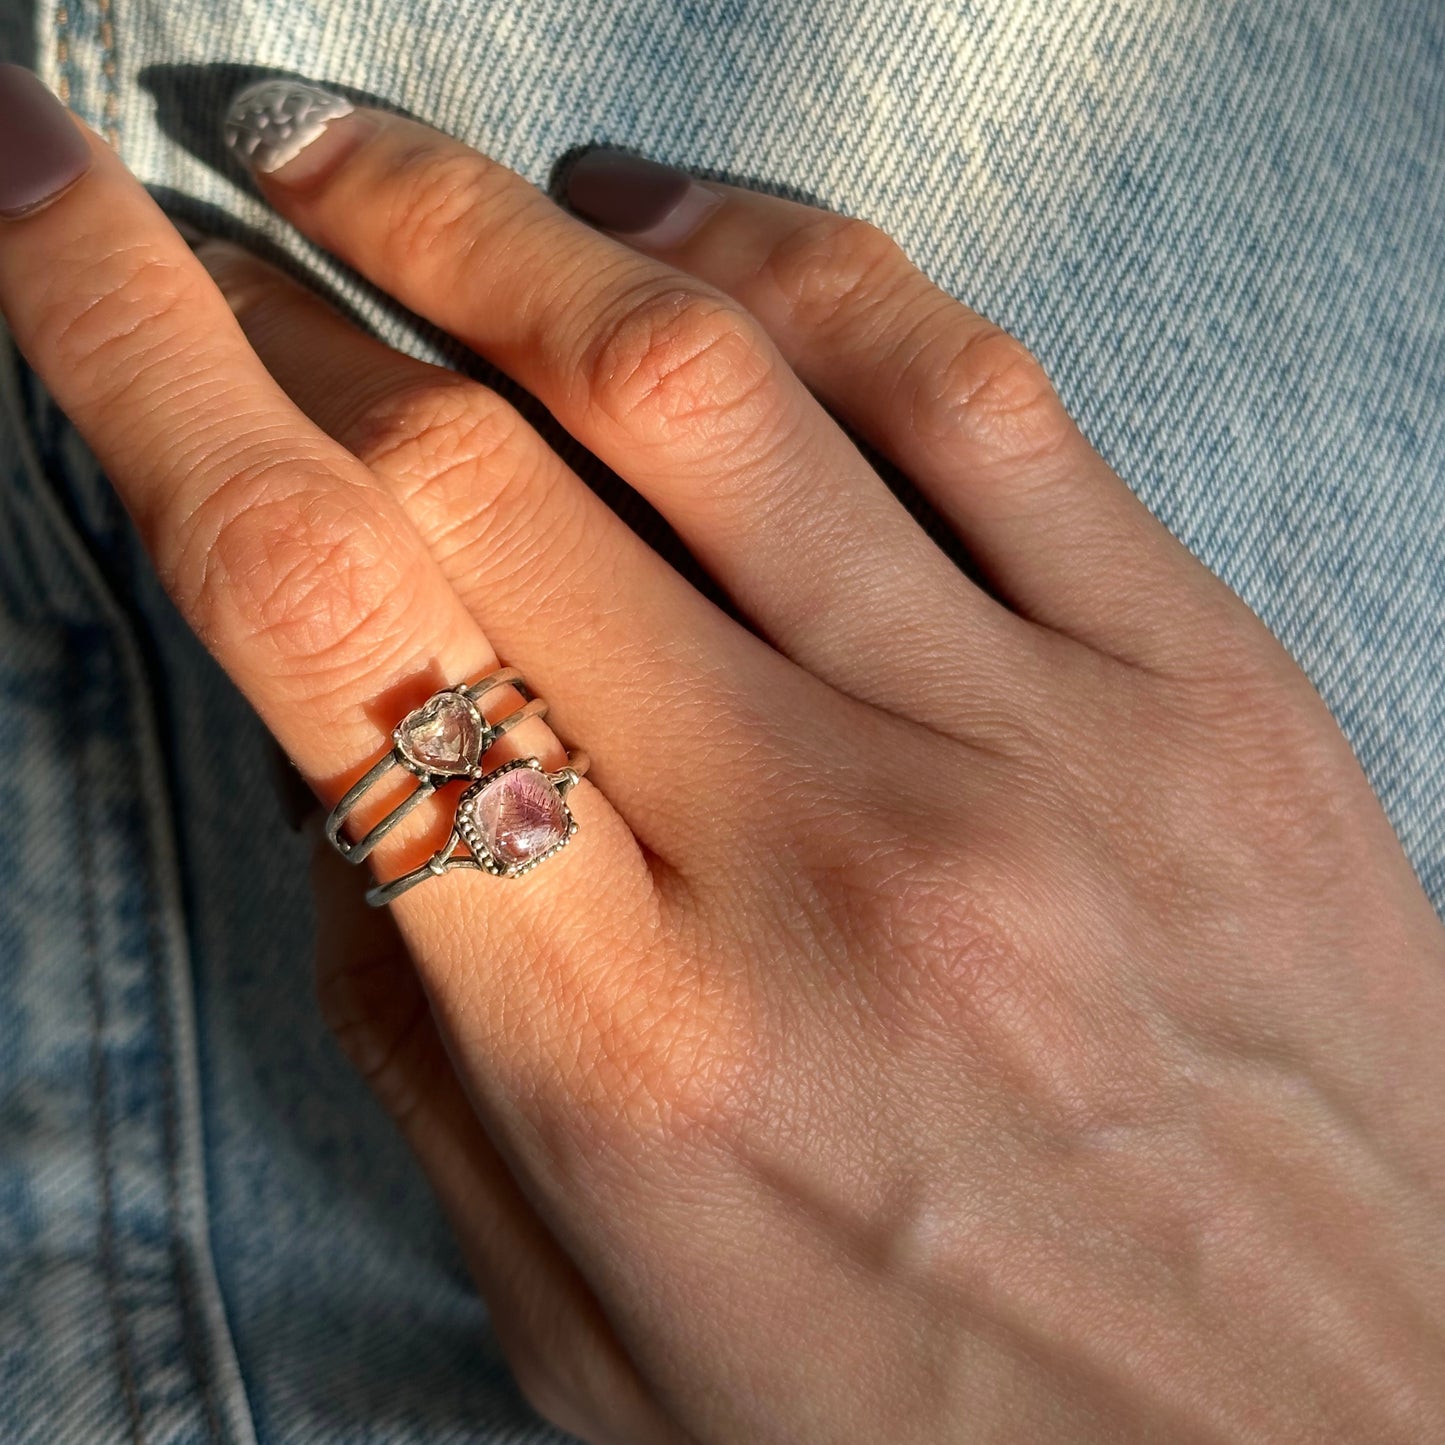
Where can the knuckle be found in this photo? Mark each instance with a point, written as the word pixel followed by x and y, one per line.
pixel 1257 772
pixel 466 467
pixel 943 917
pixel 491 529
pixel 434 197
pixel 436 425
pixel 674 359
pixel 958 952
pixel 961 920
pixel 109 322
pixel 987 393
pixel 977 968
pixel 1284 765
pixel 297 566
pixel 833 266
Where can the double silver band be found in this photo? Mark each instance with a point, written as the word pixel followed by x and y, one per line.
pixel 428 782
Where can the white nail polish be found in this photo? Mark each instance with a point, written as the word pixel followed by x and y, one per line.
pixel 271 122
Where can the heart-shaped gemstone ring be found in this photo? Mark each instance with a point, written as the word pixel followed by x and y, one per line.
pixel 446 737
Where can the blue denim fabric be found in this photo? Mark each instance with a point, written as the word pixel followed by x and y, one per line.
pixel 1220 225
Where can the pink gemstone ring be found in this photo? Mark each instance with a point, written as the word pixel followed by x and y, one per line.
pixel 509 819
pixel 507 822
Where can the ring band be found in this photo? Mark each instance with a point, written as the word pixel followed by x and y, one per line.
pixel 508 821
pixel 446 737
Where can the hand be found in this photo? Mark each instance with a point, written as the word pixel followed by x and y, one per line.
pixel 963 1014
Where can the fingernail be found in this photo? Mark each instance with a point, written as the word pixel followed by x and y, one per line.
pixel 286 129
pixel 296 800
pixel 42 150
pixel 647 203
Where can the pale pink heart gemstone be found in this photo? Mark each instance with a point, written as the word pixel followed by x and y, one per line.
pixel 519 816
pixel 442 735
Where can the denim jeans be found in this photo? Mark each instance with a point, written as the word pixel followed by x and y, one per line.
pixel 1220 223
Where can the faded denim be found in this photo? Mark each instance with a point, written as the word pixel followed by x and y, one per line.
pixel 1222 227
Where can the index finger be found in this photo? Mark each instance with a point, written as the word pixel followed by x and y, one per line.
pixel 296 567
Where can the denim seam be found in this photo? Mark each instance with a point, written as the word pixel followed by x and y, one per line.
pixel 100 1103
pixel 167 942
pixel 170 1147
pixel 60 22
pixel 185 1285
pixel 109 69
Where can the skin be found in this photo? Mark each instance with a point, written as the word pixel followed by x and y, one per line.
pixel 963 1015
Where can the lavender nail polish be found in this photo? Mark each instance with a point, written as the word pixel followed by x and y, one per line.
pixel 646 203
pixel 42 150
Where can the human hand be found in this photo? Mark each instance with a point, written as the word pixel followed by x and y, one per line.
pixel 962 1014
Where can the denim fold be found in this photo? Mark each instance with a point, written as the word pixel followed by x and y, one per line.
pixel 1219 226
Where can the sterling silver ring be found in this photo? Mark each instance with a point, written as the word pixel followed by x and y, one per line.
pixel 446 737
pixel 507 822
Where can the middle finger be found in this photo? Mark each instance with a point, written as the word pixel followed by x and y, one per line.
pixel 666 380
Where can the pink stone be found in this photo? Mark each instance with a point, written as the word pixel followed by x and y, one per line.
pixel 442 736
pixel 519 816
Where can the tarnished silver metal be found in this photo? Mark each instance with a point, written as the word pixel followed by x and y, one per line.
pixel 430 778
pixel 475 852
pixel 273 121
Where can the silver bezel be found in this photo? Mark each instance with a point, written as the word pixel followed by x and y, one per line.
pixel 466 827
